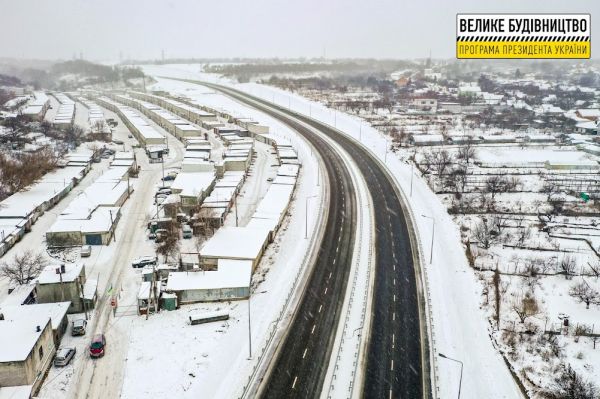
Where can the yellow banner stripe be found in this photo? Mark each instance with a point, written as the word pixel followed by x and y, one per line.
pixel 504 49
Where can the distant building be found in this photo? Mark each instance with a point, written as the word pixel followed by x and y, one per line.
pixel 424 104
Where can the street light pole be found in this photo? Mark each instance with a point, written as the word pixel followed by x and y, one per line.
pixel 249 325
pixel 306 215
pixel 432 237
pixel 461 370
pixel 411 177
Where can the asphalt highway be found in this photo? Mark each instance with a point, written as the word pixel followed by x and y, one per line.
pixel 397 364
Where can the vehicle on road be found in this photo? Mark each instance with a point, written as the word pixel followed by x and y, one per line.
pixel 161 234
pixel 143 261
pixel 152 236
pixel 270 179
pixel 98 345
pixel 86 250
pixel 130 135
pixel 78 327
pixel 160 198
pixel 169 177
pixel 119 142
pixel 64 356
pixel 187 231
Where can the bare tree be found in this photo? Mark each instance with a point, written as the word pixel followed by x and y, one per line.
pixel 467 152
pixel 495 184
pixel 24 267
pixel 567 266
pixel 483 233
pixel 525 306
pixel 441 161
pixel 585 293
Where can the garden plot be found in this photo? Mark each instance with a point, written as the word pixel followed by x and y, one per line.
pixel 534 243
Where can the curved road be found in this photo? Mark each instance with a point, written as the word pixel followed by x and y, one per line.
pixel 397 361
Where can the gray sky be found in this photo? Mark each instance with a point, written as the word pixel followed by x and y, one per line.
pixel 101 29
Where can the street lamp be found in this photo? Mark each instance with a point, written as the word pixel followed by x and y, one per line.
pixel 461 370
pixel 432 237
pixel 306 214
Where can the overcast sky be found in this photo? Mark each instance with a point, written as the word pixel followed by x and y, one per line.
pixel 141 29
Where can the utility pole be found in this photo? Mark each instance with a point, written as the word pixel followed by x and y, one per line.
pixel 236 210
pixel 62 287
pixel 82 293
pixel 111 226
pixel 432 237
pixel 306 216
pixel 249 325
pixel 360 131
pixel 411 177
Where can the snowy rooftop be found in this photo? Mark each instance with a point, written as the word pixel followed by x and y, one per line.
pixel 49 275
pixel 16 392
pixel 22 336
pixel 235 243
pixel 193 183
pixel 229 274
pixel 56 312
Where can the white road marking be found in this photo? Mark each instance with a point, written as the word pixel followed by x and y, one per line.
pixel 313 329
pixel 294 384
pixel 325 293
pixel 392 365
pixel 320 307
pixel 304 354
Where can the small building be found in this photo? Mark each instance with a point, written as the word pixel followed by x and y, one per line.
pixel 230 281
pixel 56 311
pixel 237 243
pixel 27 352
pixel 426 139
pixel 62 283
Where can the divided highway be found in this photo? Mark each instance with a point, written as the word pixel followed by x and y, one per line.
pixel 397 360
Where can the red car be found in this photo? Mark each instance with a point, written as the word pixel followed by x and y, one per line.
pixel 97 345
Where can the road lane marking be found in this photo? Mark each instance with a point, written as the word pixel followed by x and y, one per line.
pixel 330 273
pixel 294 384
pixel 394 297
pixel 320 307
pixel 394 316
pixel 313 329
pixel 304 354
pixel 325 293
pixel 392 365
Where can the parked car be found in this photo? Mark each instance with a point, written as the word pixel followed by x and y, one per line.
pixel 187 231
pixel 130 135
pixel 64 356
pixel 86 250
pixel 143 261
pixel 161 234
pixel 166 191
pixel 152 236
pixel 98 345
pixel 169 177
pixel 270 179
pixel 78 327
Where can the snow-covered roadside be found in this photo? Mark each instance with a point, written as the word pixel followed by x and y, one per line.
pixel 212 360
pixel 460 326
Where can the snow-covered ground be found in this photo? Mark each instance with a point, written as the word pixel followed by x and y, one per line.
pixel 212 360
pixel 460 326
